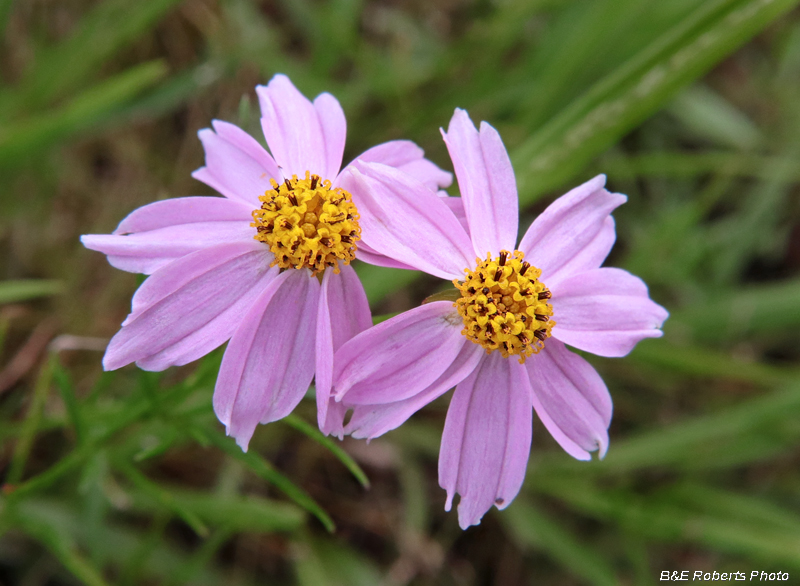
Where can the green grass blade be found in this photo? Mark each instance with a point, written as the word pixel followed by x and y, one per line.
pixel 68 395
pixel 708 115
pixel 315 434
pixel 23 290
pixel 236 513
pixel 637 89
pixel 61 545
pixel 64 68
pixel 162 496
pixel 89 110
pixel 666 517
pixel 683 165
pixel 734 315
pixel 533 530
pixel 40 391
pixel 693 360
pixel 263 469
pixel 748 431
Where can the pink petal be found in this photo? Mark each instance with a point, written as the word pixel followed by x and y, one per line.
pixel 184 210
pixel 591 256
pixel 408 158
pixel 400 357
pixel 269 362
pixel 158 233
pixel 571 224
pixel 605 311
pixel 236 165
pixel 487 184
pixel 297 136
pixel 342 313
pixel 194 302
pixel 371 421
pixel 456 205
pixel 487 439
pixel 571 400
pixel 402 219
pixel 334 129
pixel 369 256
pixel 247 144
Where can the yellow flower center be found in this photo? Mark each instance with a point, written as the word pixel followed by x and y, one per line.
pixel 504 306
pixel 306 223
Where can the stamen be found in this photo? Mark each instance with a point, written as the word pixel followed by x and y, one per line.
pixel 498 315
pixel 307 224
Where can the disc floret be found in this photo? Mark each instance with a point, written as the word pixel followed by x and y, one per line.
pixel 504 306
pixel 308 224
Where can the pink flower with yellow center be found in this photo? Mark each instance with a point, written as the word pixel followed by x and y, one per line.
pixel 500 338
pixel 266 266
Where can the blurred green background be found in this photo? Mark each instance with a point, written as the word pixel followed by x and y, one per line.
pixel 692 108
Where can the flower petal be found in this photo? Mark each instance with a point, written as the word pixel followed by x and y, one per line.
pixel 487 184
pixel 334 130
pixel 487 439
pixel 295 132
pixel 369 256
pixel 402 219
pixel 343 312
pixel 269 362
pixel 158 233
pixel 236 165
pixel 408 158
pixel 194 302
pixel 591 256
pixel 456 205
pixel 569 225
pixel 400 357
pixel 571 400
pixel 371 421
pixel 605 311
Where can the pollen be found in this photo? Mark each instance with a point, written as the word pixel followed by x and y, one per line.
pixel 504 306
pixel 308 224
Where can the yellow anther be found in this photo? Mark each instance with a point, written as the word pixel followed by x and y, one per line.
pixel 308 224
pixel 500 301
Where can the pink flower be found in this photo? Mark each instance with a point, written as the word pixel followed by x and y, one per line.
pixel 502 344
pixel 220 266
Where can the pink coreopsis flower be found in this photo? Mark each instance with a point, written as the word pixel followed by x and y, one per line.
pixel 266 266
pixel 501 337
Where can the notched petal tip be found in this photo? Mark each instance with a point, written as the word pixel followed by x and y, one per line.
pixel 602 449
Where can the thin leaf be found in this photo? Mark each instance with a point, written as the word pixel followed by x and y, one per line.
pixel 40 391
pixel 533 530
pixel 61 545
pixel 637 89
pixel 737 314
pixel 164 497
pixel 68 395
pixel 234 513
pixel 93 107
pixel 264 470
pixel 23 290
pixel 65 67
pixel 304 427
pixel 664 517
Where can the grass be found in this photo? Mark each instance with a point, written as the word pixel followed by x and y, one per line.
pixel 690 108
